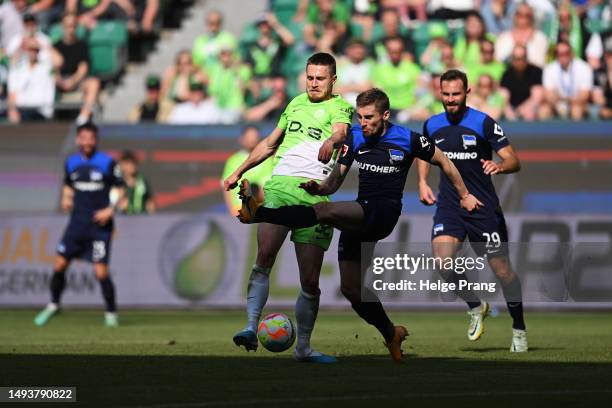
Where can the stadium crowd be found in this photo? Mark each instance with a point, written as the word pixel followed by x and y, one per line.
pixel 526 60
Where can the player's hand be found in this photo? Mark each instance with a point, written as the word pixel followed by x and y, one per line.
pixel 66 204
pixel 103 216
pixel 470 203
pixel 231 182
pixel 490 167
pixel 426 195
pixel 311 187
pixel 326 151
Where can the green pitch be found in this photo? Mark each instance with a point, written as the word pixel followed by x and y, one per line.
pixel 187 360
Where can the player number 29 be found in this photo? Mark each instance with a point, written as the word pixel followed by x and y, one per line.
pixel 493 239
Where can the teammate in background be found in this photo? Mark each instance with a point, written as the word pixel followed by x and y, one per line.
pixel 384 153
pixel 138 198
pixel 259 175
pixel 311 128
pixel 468 137
pixel 89 177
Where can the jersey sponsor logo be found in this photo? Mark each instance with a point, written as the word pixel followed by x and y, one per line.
pixel 295 126
pixel 424 141
pixel 498 130
pixel 468 140
pixel 374 168
pixel 438 141
pixel 363 151
pixel 95 175
pixel 461 155
pixel 88 186
pixel 438 228
pixel 395 156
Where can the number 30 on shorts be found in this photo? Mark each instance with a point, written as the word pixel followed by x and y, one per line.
pixel 493 239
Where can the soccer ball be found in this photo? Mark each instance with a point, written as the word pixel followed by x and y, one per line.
pixel 276 332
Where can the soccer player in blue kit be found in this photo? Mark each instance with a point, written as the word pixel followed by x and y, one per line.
pixel 384 153
pixel 468 138
pixel 89 177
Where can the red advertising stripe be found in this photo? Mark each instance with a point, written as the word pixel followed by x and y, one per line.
pixel 190 156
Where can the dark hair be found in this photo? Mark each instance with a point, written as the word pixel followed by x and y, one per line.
pixel 128 155
pixel 90 126
pixel 248 126
pixel 474 13
pixel 323 58
pixel 454 74
pixel 374 96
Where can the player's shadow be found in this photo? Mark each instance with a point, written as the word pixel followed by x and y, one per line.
pixel 503 349
pixel 195 380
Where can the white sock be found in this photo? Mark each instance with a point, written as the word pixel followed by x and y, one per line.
pixel 257 295
pixel 306 309
pixel 52 306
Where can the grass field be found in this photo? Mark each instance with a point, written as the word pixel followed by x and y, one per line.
pixel 187 360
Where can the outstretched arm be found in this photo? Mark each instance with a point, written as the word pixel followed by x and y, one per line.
pixel 262 151
pixel 467 200
pixel 330 185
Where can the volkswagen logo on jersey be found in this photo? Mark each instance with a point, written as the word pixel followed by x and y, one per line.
pixel 395 156
pixel 468 140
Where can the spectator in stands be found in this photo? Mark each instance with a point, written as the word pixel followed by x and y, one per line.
pixel 603 86
pixel 488 98
pixel 272 103
pixel 497 15
pixel 407 9
pixel 206 47
pixel 390 26
pixel 523 33
pixel 487 65
pixel 447 57
pixel 150 110
pixel 568 82
pixel 47 12
pixel 138 197
pixel 398 77
pixel 354 71
pixel 90 11
pixel 17 47
pixel 467 47
pixel 228 80
pixel 427 104
pixel 431 58
pixel 570 29
pixel 326 25
pixel 31 86
pixel 144 16
pixel 265 55
pixel 176 79
pixel 257 176
pixel 71 57
pixel 363 18
pixel 199 109
pixel 450 9
pixel 11 22
pixel 523 83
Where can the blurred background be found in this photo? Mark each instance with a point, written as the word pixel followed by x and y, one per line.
pixel 183 89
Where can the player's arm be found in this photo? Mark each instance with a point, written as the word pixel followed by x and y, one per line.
pixel 330 185
pixel 510 162
pixel 426 194
pixel 262 151
pixel 335 141
pixel 467 200
pixel 66 201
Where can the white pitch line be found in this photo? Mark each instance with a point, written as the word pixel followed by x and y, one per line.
pixel 369 397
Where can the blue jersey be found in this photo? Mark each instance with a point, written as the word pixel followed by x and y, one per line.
pixel 384 161
pixel 91 179
pixel 466 143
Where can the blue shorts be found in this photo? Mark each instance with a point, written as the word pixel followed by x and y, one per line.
pixel 86 240
pixel 380 217
pixel 487 235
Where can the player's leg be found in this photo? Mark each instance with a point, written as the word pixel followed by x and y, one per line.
pixel 310 260
pixel 270 238
pixel 366 305
pixel 108 293
pixel 57 285
pixel 447 234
